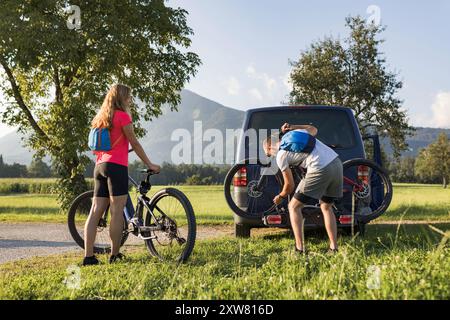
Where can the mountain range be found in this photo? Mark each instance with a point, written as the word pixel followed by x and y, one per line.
pixel 162 134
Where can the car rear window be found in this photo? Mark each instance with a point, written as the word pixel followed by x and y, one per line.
pixel 334 126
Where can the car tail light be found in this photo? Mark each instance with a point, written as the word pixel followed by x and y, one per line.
pixel 345 219
pixel 240 179
pixel 363 174
pixel 274 219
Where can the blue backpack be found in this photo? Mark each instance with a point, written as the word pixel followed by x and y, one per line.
pixel 100 140
pixel 297 141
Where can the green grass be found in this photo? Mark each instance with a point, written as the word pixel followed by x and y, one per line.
pixel 11 186
pixel 419 202
pixel 410 202
pixel 208 203
pixel 413 261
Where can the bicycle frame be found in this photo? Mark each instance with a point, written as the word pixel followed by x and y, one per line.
pixel 143 200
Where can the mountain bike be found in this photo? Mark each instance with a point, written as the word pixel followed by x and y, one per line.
pixel 250 187
pixel 166 221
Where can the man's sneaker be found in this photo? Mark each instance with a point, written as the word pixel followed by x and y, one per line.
pixel 298 251
pixel 332 251
pixel 89 261
pixel 116 258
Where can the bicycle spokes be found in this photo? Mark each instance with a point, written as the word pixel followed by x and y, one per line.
pixel 251 190
pixel 370 190
pixel 172 223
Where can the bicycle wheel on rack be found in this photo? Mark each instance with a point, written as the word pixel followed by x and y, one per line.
pixel 250 189
pixel 78 214
pixel 367 189
pixel 172 210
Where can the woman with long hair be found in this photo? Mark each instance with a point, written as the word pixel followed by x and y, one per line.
pixel 111 170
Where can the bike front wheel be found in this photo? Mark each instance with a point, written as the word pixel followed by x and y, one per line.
pixel 172 221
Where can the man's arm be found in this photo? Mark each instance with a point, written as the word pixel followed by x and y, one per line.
pixel 310 128
pixel 288 186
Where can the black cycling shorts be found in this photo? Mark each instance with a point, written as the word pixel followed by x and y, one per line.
pixel 303 198
pixel 110 179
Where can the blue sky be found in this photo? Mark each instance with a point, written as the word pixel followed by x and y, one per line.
pixel 245 47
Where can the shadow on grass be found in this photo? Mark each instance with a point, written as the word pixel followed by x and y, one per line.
pixel 378 237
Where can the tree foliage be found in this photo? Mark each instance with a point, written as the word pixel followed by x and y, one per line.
pixel 38 169
pixel 402 170
pixel 433 162
pixel 353 73
pixel 54 78
pixel 14 170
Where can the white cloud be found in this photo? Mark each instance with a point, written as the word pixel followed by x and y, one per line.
pixel 441 110
pixel 232 85
pixel 287 81
pixel 268 82
pixel 255 93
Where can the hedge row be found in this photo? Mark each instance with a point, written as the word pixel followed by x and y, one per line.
pixel 32 186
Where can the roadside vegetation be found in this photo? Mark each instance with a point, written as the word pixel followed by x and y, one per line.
pixel 410 202
pixel 392 262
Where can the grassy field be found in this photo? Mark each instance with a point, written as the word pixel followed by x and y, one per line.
pixel 410 202
pixel 410 262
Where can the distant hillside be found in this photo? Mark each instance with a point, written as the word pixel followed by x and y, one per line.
pixel 193 107
pixel 421 139
pixel 157 142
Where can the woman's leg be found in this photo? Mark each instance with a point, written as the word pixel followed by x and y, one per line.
pixel 117 203
pixel 99 206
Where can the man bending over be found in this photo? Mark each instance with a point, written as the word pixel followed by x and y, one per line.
pixel 323 181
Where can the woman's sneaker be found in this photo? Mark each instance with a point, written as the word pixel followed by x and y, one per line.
pixel 89 261
pixel 116 258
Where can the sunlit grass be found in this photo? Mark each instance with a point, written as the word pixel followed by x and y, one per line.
pixel 413 263
pixel 420 202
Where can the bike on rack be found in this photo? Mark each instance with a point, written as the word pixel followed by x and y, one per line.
pixel 166 221
pixel 250 187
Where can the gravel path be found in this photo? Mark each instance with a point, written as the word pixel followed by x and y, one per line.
pixel 26 240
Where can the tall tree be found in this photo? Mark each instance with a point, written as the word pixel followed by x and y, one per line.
pixel 353 73
pixel 55 76
pixel 38 169
pixel 433 162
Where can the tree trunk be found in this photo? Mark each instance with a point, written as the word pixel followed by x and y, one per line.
pixel 444 182
pixel 71 183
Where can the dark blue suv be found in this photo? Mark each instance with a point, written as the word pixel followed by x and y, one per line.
pixel 337 128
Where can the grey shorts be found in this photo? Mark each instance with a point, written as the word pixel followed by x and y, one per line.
pixel 325 184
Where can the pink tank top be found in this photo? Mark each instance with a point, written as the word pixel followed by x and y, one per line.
pixel 119 153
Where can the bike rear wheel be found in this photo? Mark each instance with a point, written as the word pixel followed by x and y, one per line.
pixel 367 189
pixel 78 214
pixel 172 210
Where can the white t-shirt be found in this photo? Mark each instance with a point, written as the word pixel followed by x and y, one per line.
pixel 318 159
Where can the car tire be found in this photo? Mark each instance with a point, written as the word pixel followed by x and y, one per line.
pixel 241 231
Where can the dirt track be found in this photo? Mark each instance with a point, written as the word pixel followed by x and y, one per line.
pixel 26 240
